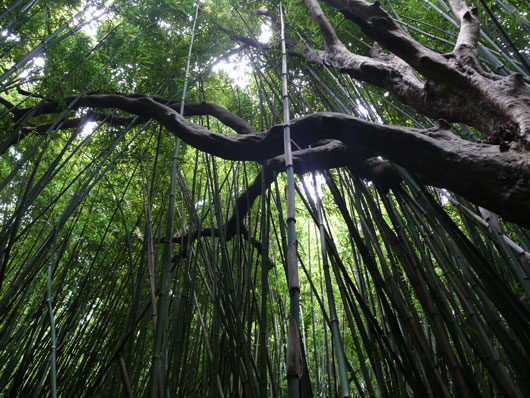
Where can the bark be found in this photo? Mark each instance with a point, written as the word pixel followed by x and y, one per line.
pixel 498 181
pixel 226 117
pixel 453 86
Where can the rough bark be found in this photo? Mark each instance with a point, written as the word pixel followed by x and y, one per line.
pixel 454 86
pixel 494 174
pixel 498 181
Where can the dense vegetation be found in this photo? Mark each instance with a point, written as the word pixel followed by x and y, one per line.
pixel 145 255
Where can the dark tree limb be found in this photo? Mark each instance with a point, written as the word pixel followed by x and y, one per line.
pixel 327 154
pixel 456 88
pixel 209 232
pixel 7 104
pixel 79 121
pixel 498 181
pixel 229 119
pixel 238 124
pixel 381 27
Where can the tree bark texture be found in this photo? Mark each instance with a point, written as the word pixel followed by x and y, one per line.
pixel 493 172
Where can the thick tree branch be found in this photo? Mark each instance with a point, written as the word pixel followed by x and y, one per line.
pixel 469 26
pixel 79 121
pixel 229 119
pixel 327 154
pixel 499 181
pixel 383 70
pixel 456 88
pixel 7 104
pixel 380 26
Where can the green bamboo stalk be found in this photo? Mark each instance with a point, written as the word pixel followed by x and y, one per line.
pixel 149 244
pixel 339 349
pixel 262 355
pixel 53 371
pixel 294 356
pixel 159 350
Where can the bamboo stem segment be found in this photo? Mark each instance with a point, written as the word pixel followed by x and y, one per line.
pixel 159 352
pixel 294 353
pixel 337 340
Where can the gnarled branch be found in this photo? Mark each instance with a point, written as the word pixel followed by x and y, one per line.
pixel 499 181
pixel 456 88
pixel 229 119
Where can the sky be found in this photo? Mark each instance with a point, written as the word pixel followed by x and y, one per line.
pixel 238 67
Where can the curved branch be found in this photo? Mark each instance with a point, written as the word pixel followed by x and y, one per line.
pixel 238 124
pixel 208 232
pixel 499 181
pixel 381 27
pixel 229 119
pixel 327 154
pixel 79 121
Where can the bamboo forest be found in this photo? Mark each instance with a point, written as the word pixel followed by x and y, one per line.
pixel 296 198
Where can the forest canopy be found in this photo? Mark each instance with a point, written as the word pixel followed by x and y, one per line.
pixel 305 198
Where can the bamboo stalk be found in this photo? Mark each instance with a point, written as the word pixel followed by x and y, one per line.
pixel 344 384
pixel 294 355
pixel 159 350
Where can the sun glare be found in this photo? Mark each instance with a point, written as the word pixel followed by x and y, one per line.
pixel 88 129
pixel 237 67
pixel 266 33
pixel 314 191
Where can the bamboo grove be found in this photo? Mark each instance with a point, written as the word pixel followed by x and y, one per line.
pixel 133 264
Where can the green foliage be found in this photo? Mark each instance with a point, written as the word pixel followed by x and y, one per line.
pixel 424 288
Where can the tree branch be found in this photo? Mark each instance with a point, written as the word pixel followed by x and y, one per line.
pixel 238 124
pixel 456 89
pixel 7 104
pixel 327 154
pixel 208 232
pixel 328 33
pixel 229 119
pixel 499 181
pixel 469 27
pixel 383 70
pixel 380 26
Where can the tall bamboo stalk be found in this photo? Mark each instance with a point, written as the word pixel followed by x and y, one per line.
pixel 337 340
pixel 53 370
pixel 159 351
pixel 294 354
